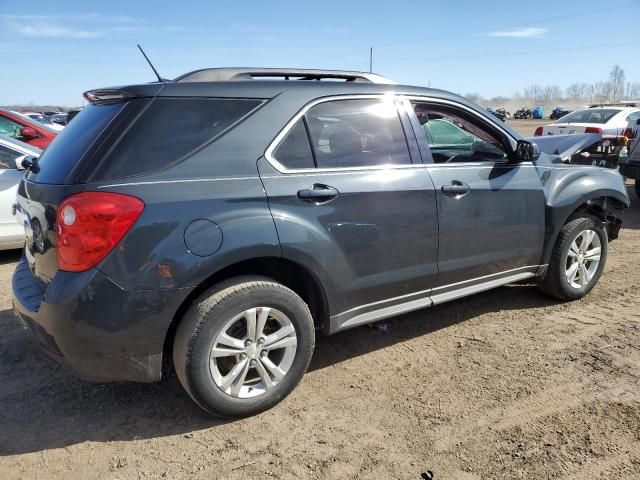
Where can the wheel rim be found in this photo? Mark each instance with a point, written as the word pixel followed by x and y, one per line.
pixel 253 352
pixel 583 259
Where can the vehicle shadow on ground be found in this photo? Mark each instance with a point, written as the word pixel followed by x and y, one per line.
pixel 42 406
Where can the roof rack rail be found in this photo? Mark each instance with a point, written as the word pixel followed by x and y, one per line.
pixel 247 73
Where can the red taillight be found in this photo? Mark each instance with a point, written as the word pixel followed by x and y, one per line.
pixel 592 130
pixel 90 224
pixel 538 132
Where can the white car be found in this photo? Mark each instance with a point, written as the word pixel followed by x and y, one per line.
pixel 612 120
pixel 12 152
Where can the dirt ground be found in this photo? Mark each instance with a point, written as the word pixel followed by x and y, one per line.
pixel 505 384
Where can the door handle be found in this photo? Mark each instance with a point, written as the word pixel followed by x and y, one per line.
pixel 456 189
pixel 319 193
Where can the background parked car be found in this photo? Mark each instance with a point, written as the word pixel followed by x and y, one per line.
pixel 25 129
pixel 42 118
pixel 12 152
pixel 606 120
pixel 537 112
pixel 559 112
pixel 59 118
pixel 522 114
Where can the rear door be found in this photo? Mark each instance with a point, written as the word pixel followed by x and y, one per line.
pixel 352 201
pixel 491 211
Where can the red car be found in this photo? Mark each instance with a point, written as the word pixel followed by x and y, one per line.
pixel 25 129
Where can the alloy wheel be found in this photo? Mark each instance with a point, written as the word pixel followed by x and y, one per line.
pixel 253 352
pixel 583 259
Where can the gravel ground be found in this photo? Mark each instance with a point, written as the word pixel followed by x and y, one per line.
pixel 504 384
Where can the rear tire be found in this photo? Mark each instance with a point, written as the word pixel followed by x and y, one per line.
pixel 577 259
pixel 637 187
pixel 243 346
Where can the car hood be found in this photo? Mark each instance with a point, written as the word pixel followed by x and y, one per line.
pixel 565 146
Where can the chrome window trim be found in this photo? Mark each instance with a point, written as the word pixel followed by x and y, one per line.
pixel 425 98
pixel 269 153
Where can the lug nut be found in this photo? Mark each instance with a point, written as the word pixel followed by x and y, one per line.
pixel 243 356
pixel 247 342
pixel 261 340
pixel 263 353
pixel 252 363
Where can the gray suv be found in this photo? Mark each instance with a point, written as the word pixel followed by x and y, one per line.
pixel 227 217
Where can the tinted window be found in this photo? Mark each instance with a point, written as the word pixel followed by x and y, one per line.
pixel 600 115
pixel 357 133
pixel 68 148
pixel 168 130
pixel 8 157
pixel 295 150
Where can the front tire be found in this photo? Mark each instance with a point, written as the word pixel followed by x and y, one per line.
pixel 243 346
pixel 577 259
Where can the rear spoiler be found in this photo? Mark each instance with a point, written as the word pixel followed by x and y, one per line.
pixel 122 94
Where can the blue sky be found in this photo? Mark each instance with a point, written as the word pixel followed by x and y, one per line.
pixel 57 50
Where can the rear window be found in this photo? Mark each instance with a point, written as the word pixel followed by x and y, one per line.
pixel 169 130
pixel 601 115
pixel 67 149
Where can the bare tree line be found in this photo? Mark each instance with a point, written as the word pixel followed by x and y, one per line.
pixel 615 89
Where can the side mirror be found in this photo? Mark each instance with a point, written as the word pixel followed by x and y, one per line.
pixel 19 160
pixel 527 151
pixel 28 162
pixel 28 133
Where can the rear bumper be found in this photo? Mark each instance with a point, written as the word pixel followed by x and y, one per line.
pixel 630 170
pixel 89 324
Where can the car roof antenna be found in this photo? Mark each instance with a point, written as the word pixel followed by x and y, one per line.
pixel 160 79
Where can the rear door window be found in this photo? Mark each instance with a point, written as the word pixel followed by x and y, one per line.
pixel 357 133
pixel 168 130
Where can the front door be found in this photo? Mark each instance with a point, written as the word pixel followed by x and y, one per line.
pixel 491 210
pixel 352 202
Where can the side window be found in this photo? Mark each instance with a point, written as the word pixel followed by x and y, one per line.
pixel 9 127
pixel 357 133
pixel 456 137
pixel 170 129
pixel 8 158
pixel 295 150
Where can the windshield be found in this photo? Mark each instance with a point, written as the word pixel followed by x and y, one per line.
pixel 34 122
pixel 600 115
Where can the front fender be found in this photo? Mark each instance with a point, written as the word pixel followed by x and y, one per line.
pixel 570 188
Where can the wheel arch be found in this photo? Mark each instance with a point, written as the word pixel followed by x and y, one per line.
pixel 601 205
pixel 291 274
